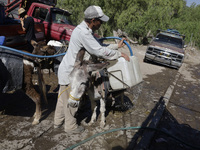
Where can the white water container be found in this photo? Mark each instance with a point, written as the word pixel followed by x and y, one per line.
pixel 59 49
pixel 58 45
pixel 127 72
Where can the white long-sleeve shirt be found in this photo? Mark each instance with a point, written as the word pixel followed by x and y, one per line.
pixel 82 37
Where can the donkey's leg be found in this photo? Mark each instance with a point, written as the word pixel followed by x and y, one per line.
pixel 94 111
pixel 122 101
pixel 94 116
pixel 102 111
pixel 37 114
pixel 31 92
pixel 113 101
pixel 93 96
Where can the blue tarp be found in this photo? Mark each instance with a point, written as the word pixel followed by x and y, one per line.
pixel 2 40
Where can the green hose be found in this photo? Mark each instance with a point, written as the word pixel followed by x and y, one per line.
pixel 129 128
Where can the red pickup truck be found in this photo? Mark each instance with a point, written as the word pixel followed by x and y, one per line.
pixel 56 21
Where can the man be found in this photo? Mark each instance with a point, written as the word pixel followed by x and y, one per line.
pixel 82 37
pixel 27 23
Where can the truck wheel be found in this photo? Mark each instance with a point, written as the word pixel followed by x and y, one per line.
pixel 145 59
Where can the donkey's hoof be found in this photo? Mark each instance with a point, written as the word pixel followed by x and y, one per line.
pixel 35 122
pixel 91 123
pixel 102 124
pixel 34 115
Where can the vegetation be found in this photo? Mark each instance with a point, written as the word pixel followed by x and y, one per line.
pixel 138 17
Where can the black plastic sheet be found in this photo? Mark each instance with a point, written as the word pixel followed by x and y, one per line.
pixel 11 70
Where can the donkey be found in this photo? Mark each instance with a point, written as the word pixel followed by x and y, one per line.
pixel 28 66
pixel 83 81
pixel 40 48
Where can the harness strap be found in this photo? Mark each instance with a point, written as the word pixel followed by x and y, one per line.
pixel 70 96
pixel 73 98
pixel 103 86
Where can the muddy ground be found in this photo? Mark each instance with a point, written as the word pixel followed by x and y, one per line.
pixel 177 125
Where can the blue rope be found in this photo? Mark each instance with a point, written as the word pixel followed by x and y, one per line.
pixel 52 56
pixel 29 54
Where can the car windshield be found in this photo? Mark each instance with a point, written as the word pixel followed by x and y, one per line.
pixel 169 40
pixel 61 17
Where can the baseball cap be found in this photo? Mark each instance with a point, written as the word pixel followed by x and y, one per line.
pixel 95 12
pixel 21 11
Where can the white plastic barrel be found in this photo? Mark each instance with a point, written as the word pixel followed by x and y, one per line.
pixel 127 72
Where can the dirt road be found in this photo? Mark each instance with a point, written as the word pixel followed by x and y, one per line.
pixel 180 119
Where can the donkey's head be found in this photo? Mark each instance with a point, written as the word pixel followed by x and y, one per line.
pixel 40 48
pixel 81 74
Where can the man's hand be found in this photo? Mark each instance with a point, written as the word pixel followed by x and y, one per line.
pixel 21 19
pixel 125 56
pixel 121 43
pixel 22 23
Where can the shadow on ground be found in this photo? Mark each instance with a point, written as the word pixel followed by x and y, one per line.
pixel 19 104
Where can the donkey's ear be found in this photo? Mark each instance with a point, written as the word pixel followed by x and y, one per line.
pixel 34 43
pixel 79 56
pixel 97 66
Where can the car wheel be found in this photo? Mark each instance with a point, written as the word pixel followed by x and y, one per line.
pixel 145 59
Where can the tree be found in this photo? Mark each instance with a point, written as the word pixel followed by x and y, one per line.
pixel 138 17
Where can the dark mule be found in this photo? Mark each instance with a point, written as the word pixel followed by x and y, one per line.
pixel 28 66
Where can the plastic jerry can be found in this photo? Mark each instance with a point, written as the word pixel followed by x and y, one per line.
pixel 124 74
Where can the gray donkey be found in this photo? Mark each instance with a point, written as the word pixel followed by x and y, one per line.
pixel 83 79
